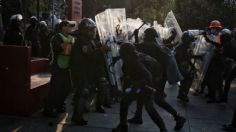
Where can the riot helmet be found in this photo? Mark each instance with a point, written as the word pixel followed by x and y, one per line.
pixel 187 37
pixel 87 28
pixel 43 24
pixel 226 35
pixel 33 20
pixel 15 20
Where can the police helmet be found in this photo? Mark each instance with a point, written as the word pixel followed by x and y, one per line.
pixel 187 37
pixel 226 34
pixel 87 28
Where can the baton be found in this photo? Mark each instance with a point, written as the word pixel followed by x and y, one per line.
pixel 137 29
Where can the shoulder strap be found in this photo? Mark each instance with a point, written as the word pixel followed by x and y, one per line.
pixel 64 38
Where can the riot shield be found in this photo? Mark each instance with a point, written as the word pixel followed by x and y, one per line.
pixel 201 48
pixel 111 26
pixel 163 31
pixel 133 24
pixel 118 26
pixel 104 32
pixel 102 26
pixel 170 21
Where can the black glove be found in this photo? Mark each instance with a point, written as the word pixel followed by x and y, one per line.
pixel 173 31
pixel 136 31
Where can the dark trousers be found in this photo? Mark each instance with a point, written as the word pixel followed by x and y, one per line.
pixel 185 86
pixel 215 73
pixel 60 86
pixel 82 90
pixel 159 100
pixel 228 81
pixel 144 97
pixel 186 83
pixel 234 118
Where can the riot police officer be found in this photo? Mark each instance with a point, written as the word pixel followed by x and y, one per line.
pixel 32 36
pixel 183 57
pixel 229 51
pixel 216 67
pixel 14 34
pixel 88 69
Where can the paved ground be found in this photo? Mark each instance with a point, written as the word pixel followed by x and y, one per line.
pixel 201 117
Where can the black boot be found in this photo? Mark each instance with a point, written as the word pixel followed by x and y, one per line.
pixel 50 113
pixel 135 120
pixel 100 109
pixel 179 122
pixel 120 128
pixel 163 131
pixel 61 109
pixel 183 98
pixel 211 100
pixel 79 121
pixel 223 99
pixel 229 128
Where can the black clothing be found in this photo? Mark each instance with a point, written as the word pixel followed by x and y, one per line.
pixel 154 67
pixel 56 49
pixel 13 36
pixel 166 59
pixel 32 35
pixel 60 84
pixel 141 75
pixel 183 58
pixel 88 74
pixel 60 87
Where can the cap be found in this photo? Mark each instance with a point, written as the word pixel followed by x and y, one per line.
pixel 65 23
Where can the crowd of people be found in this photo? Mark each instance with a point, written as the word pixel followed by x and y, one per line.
pixel 78 63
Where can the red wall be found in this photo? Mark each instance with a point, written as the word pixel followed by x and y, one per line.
pixel 75 10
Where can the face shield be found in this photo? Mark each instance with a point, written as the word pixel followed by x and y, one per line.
pixel 214 31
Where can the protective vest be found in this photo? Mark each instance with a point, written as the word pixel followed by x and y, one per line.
pixel 63 59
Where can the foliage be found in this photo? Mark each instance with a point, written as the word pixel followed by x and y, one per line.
pixel 198 13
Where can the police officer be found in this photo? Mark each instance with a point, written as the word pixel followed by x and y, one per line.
pixel 183 57
pixel 231 127
pixel 150 47
pixel 212 32
pixel 32 36
pixel 228 40
pixel 216 66
pixel 88 70
pixel 14 34
pixel 142 85
pixel 60 84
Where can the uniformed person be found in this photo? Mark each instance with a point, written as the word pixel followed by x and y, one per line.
pixel 60 84
pixel 88 70
pixel 184 54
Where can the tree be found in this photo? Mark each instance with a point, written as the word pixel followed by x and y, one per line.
pixel 198 13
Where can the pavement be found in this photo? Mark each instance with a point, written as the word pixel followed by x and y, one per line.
pixel 201 117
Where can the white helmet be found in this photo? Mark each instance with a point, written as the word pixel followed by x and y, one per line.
pixel 17 17
pixel 43 23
